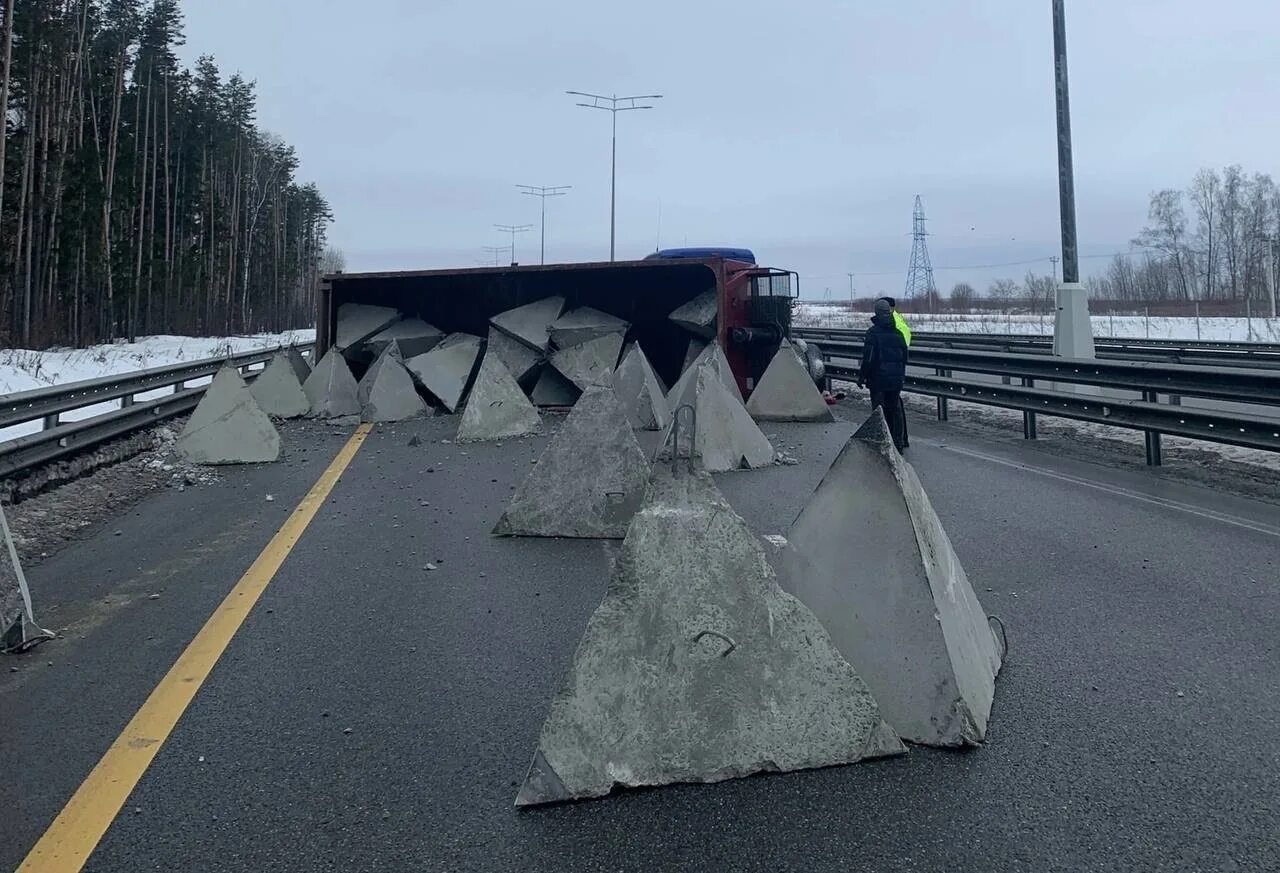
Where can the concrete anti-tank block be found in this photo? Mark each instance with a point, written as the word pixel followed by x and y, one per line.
pixel 387 392
pixel 228 427
pixel 519 359
pixel 869 556
pixel 413 335
pixel 357 322
pixel 584 365
pixel 553 389
pixel 640 391
pixel 446 370
pixel 584 324
pixel 18 628
pixel 698 315
pixel 278 391
pixel 786 391
pixel 712 355
pixel 727 438
pixel 531 323
pixel 331 387
pixel 497 407
pixel 589 480
pixel 697 667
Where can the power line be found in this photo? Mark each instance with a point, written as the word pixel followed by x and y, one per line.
pixel 1129 254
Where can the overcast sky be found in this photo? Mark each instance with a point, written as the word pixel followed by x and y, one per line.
pixel 802 131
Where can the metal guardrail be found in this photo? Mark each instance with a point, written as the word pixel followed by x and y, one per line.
pixel 58 438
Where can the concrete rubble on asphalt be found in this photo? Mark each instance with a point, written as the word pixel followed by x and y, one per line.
pixel 590 479
pixel 387 391
pixel 584 324
pixel 278 391
pixel 497 407
pixel 18 628
pixel 331 388
pixel 869 556
pixel 414 336
pixel 228 426
pixel 446 370
pixel 713 356
pixel 640 391
pixel 786 391
pixel 586 364
pixel 531 323
pixel 697 667
pixel 519 359
pixel 698 315
pixel 357 322
pixel 553 389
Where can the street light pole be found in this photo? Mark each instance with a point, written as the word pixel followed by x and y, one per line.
pixel 513 229
pixel 542 192
pixel 611 105
pixel 1066 171
pixel 493 252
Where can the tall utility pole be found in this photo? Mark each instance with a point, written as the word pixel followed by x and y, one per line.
pixel 542 192
pixel 513 229
pixel 850 275
pixel 1271 269
pixel 493 252
pixel 920 274
pixel 610 105
pixel 1054 261
pixel 1066 171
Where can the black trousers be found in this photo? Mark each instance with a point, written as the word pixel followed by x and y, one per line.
pixel 891 403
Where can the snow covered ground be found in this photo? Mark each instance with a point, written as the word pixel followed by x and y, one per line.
pixel 24 369
pixel 1123 326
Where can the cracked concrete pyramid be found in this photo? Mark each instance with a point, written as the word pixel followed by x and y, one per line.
pixel 869 556
pixel 697 667
pixel 786 392
pixel 585 364
pixel 387 392
pixel 552 389
pixel 18 628
pixel 698 315
pixel 497 407
pixel 589 480
pixel 278 391
pixel 712 356
pixel 446 370
pixel 519 359
pixel 584 324
pixel 414 336
pixel 531 323
pixel 228 427
pixel 331 388
pixel 357 322
pixel 640 391
pixel 301 368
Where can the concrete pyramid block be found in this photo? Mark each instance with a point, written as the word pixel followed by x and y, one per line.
pixel 331 388
pixel 301 369
pixel 589 480
pixel 869 556
pixel 691 355
pixel 727 438
pixel 414 336
pixel 446 370
pixel 278 391
pixel 711 356
pixel 585 364
pixel 357 322
pixel 697 667
pixel 640 391
pixel 531 323
pixel 553 389
pixel 228 426
pixel 786 391
pixel 698 315
pixel 497 407
pixel 520 360
pixel 584 324
pixel 18 628
pixel 387 392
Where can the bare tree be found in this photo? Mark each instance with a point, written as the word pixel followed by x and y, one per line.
pixel 1231 210
pixel 332 261
pixel 1204 196
pixel 1003 290
pixel 1167 234
pixel 962 296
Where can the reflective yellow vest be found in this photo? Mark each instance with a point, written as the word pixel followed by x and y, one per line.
pixel 901 324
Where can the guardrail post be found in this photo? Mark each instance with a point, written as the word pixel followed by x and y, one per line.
pixel 1152 436
pixel 1028 418
pixel 51 421
pixel 942 401
pixel 126 401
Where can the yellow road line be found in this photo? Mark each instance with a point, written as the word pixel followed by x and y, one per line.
pixel 74 834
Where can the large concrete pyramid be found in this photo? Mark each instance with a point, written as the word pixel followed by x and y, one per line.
pixel 869 556
pixel 331 388
pixel 552 389
pixel 531 323
pixel 698 315
pixel 387 392
pixel 301 368
pixel 697 667
pixel 590 479
pixel 228 427
pixel 519 359
pixel 584 324
pixel 711 356
pixel 278 391
pixel 446 370
pixel 497 407
pixel 18 628
pixel 786 392
pixel 357 322
pixel 640 391
pixel 585 364
pixel 414 336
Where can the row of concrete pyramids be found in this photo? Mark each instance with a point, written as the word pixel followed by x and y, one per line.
pixel 703 663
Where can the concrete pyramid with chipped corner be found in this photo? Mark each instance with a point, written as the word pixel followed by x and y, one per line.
pixel 497 407
pixel 387 392
pixel 712 355
pixel 228 426
pixel 726 436
pixel 640 391
pixel 697 667
pixel 331 388
pixel 786 391
pixel 869 556
pixel 278 391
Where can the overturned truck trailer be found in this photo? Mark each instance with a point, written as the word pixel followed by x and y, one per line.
pixel 752 304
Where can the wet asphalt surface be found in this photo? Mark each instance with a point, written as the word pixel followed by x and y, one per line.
pixel 1133 728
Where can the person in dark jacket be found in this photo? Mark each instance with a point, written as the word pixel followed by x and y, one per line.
pixel 903 328
pixel 884 369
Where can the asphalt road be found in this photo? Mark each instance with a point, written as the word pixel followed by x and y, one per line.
pixel 1133 726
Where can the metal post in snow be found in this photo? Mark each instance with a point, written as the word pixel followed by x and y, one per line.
pixel 1197 321
pixel 1147 318
pixel 1248 319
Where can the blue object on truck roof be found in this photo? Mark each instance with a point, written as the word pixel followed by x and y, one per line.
pixel 707 252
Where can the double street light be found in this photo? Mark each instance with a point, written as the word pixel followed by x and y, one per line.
pixel 513 229
pixel 542 192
